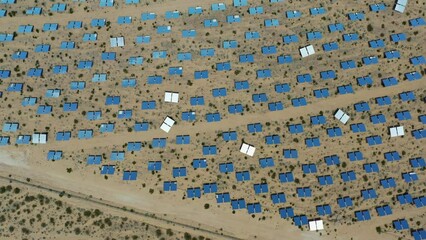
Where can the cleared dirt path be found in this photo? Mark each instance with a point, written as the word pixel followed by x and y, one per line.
pixel 233 121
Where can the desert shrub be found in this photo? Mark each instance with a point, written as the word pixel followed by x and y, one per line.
pixel 187 236
pixel 87 213
pixel 68 210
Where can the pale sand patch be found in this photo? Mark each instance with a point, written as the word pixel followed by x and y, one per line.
pixel 13 158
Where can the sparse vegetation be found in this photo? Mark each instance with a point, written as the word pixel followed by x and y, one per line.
pixel 40 214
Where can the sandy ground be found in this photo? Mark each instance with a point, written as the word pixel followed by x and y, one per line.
pixel 29 161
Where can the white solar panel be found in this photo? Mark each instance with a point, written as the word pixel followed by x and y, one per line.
pixel 316 225
pixel 345 118
pixel 171 97
pixel 168 97
pixel 120 41
pixel 247 149
pixel 307 51
pixel 400 130
pixel 244 148
pixel 43 138
pixel 169 121
pixel 39 138
pixel 339 114
pixel 399 8
pixel 312 226
pixel 393 132
pixel 117 41
pixel 342 116
pixel 320 225
pixel 400 5
pixel 310 49
pixel 304 52
pixel 250 151
pixel 167 124
pixel 165 127
pixel 396 131
pixel 113 42
pixel 175 97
